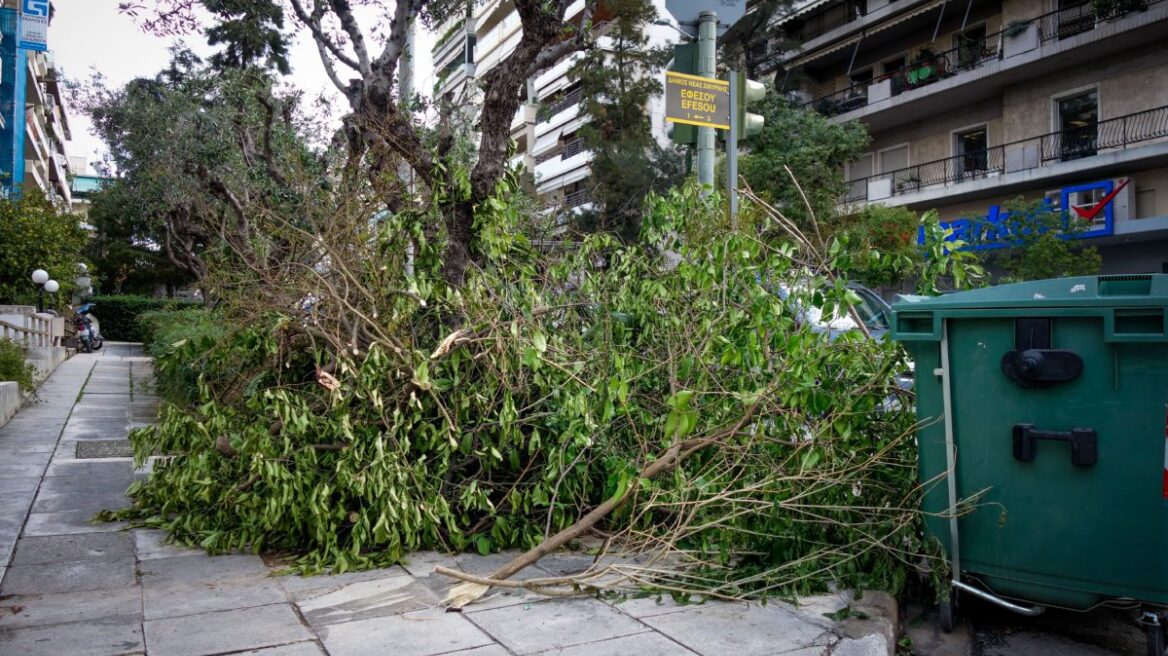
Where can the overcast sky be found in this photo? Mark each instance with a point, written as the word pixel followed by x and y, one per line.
pixel 88 35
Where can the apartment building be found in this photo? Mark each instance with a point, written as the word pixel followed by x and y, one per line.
pixel 971 103
pixel 34 125
pixel 546 127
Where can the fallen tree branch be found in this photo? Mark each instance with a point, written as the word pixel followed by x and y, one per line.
pixel 469 591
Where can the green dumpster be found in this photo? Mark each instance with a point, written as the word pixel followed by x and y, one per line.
pixel 1044 419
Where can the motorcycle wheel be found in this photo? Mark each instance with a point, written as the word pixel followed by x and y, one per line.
pixel 98 343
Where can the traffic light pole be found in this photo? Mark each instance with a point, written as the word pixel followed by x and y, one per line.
pixel 732 150
pixel 707 64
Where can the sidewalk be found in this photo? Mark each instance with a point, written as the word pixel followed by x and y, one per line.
pixel 71 587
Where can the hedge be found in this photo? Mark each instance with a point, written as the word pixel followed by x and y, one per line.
pixel 118 315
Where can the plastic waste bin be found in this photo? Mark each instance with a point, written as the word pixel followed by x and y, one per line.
pixel 1044 424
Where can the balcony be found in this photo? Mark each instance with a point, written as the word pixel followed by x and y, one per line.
pixel 555 105
pixel 1024 50
pixel 563 151
pixel 927 69
pixel 949 177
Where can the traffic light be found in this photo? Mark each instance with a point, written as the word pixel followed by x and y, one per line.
pixel 749 91
pixel 685 60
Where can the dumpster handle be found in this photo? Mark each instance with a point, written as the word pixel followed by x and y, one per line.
pixel 1084 443
pixel 1029 611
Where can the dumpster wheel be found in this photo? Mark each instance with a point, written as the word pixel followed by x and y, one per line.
pixel 1153 623
pixel 947 611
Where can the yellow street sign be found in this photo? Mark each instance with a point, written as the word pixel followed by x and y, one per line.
pixel 694 100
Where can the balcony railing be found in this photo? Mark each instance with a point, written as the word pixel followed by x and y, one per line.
pixel 550 109
pixel 1076 19
pixel 563 151
pixel 1055 25
pixel 925 70
pixel 577 198
pixel 1023 155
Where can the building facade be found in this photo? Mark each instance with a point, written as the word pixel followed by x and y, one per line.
pixel 545 129
pixel 971 103
pixel 34 125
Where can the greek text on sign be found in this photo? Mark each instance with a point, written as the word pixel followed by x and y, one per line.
pixel 694 100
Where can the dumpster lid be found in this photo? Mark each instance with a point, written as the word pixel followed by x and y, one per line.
pixel 1125 290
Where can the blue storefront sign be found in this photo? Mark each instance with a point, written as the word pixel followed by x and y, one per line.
pixel 34 25
pixel 1001 229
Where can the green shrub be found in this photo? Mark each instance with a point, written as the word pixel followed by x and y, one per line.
pixel 119 314
pixel 193 331
pixel 13 365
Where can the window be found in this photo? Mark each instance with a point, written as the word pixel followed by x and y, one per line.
pixel 894 163
pixel 856 174
pixel 893 69
pixel 1077 121
pixel 970 147
pixel 1145 203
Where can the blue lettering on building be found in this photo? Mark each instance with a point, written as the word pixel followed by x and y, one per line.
pixel 1001 229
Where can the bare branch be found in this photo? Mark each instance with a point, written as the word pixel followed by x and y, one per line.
pixel 344 12
pixel 323 42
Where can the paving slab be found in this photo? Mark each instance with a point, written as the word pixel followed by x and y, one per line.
pixel 111 636
pixel 367 599
pixel 20 611
pixel 65 548
pixel 554 623
pixel 179 599
pixel 151 544
pixel 227 631
pixel 641 644
pixel 421 633
pixel 306 587
pixel 295 649
pixel 67 522
pixel 92 503
pixel 201 568
pixel 68 577
pixel 716 629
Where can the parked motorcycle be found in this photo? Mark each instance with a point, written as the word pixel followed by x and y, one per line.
pixel 88 336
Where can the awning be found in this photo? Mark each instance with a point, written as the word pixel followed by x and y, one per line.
pixel 900 18
pixel 872 29
pixel 799 11
pixel 552 183
pixel 547 141
pixel 839 45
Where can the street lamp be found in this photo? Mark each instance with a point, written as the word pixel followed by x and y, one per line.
pixel 40 278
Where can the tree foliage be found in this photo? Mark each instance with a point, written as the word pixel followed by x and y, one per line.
pixel 618 81
pixel 35 235
pixel 201 155
pixel 379 131
pixel 813 147
pixel 1038 242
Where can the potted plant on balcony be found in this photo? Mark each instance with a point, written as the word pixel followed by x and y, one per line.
pixel 1106 10
pixel 924 68
pixel 911 182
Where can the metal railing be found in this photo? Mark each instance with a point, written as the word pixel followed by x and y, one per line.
pixel 548 110
pixel 1076 19
pixel 1022 155
pixel 926 69
pixel 37 331
pixel 563 151
pixel 1054 25
pixel 577 198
